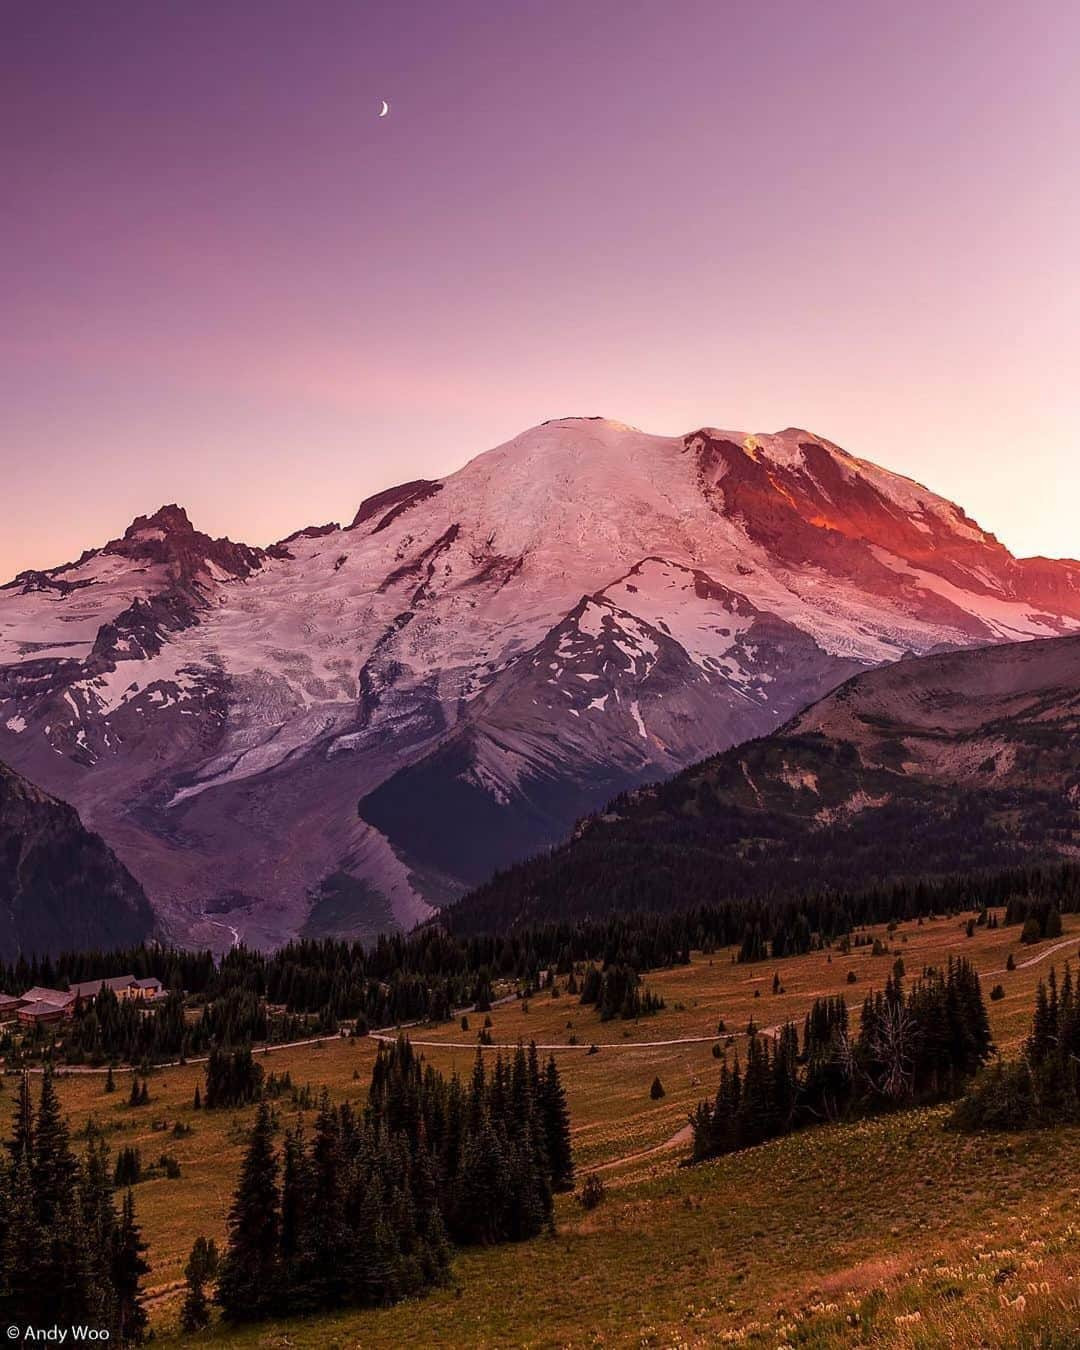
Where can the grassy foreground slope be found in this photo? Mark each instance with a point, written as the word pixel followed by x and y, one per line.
pixel 892 1232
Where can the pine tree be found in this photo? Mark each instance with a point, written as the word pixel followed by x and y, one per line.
pixel 67 1271
pixel 200 1270
pixel 556 1124
pixel 248 1282
pixel 485 1185
pixel 297 1251
pixel 53 1165
pixel 21 1143
pixel 329 1235
pixel 129 1266
pixel 99 1226
pixel 25 1250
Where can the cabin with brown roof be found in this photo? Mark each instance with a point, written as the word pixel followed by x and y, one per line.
pixel 42 1011
pixel 40 994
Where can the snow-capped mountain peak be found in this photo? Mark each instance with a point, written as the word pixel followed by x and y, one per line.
pixel 474 660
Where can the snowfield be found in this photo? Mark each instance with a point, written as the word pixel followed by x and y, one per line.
pixel 577 610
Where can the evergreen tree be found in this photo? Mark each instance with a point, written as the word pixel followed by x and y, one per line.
pixel 21 1143
pixel 99 1226
pixel 556 1124
pixel 248 1282
pixel 129 1266
pixel 25 1250
pixel 199 1271
pixel 329 1235
pixel 919 1046
pixel 53 1165
pixel 128 1170
pixel 232 1077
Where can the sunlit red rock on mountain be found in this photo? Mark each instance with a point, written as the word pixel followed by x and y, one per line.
pixel 474 662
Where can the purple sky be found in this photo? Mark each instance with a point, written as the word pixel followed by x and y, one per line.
pixel 228 283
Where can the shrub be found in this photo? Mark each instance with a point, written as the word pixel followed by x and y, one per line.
pixel 592 1192
pixel 999 1099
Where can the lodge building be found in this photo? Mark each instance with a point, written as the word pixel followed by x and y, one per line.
pixel 40 1005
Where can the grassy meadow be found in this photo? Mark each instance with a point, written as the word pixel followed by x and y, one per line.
pixel 893 1231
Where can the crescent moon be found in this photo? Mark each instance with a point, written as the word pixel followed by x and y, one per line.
pixel 384 109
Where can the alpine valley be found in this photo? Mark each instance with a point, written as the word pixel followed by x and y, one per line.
pixel 345 730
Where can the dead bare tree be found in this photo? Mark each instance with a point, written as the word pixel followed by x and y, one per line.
pixel 892 1046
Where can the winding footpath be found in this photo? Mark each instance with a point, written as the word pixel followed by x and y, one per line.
pixel 593 1047
pixel 1034 960
pixel 680 1137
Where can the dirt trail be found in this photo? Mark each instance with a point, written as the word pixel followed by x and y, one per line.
pixel 392 1033
pixel 680 1137
pixel 557 1045
pixel 1034 960
pixel 383 1034
pixel 63 1070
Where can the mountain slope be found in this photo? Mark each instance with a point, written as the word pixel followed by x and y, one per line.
pixel 365 720
pixel 608 698
pixel 60 886
pixel 926 766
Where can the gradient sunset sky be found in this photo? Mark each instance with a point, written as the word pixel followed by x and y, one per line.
pixel 228 283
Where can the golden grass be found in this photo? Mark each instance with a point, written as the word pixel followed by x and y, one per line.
pixel 859 1216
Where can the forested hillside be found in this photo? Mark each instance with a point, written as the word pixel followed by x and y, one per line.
pixel 61 887
pixel 963 763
